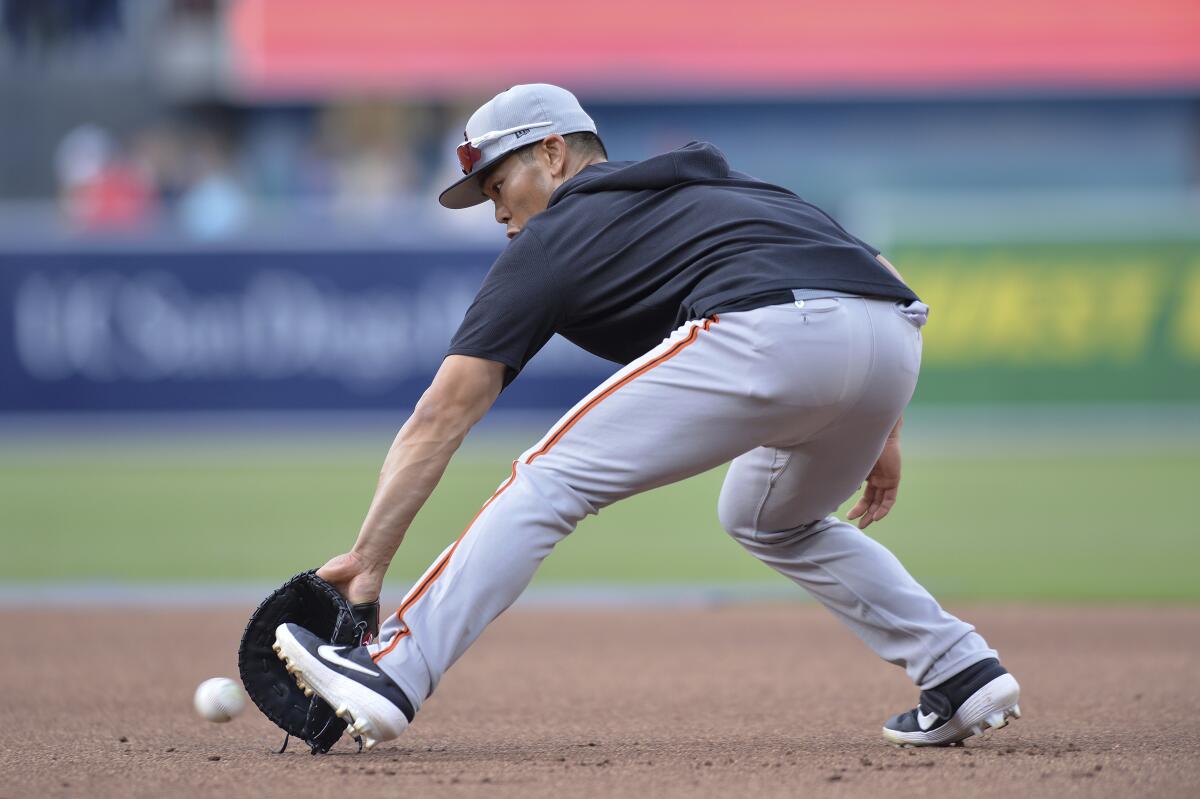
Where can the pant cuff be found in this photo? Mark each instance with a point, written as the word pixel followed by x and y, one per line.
pixel 966 652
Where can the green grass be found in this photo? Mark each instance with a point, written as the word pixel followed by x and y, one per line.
pixel 996 526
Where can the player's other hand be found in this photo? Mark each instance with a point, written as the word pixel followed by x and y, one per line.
pixel 357 579
pixel 883 483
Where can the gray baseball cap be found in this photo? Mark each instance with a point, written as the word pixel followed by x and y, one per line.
pixel 520 116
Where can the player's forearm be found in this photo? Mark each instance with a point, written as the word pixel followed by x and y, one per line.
pixel 462 391
pixel 414 465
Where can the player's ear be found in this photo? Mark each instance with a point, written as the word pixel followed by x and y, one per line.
pixel 554 150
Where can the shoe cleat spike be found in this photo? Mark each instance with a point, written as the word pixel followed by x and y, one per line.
pixel 977 730
pixel 308 691
pixel 1016 711
pixel 996 720
pixel 359 725
pixel 341 712
pixel 276 648
pixel 369 743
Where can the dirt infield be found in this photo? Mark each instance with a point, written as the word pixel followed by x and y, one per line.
pixel 746 700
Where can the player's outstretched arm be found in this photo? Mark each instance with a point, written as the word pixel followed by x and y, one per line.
pixel 461 393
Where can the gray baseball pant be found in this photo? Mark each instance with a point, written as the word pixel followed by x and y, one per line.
pixel 801 397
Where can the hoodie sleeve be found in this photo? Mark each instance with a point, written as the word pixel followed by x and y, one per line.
pixel 517 310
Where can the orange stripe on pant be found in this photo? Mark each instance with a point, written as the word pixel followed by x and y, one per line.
pixel 575 417
pixel 433 574
pixel 437 570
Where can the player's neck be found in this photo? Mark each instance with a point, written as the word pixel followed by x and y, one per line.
pixel 583 164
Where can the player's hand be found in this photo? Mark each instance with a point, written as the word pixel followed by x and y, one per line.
pixel 883 483
pixel 357 579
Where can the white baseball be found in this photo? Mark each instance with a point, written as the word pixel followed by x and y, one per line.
pixel 219 699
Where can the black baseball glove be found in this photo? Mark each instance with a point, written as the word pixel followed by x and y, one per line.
pixel 317 606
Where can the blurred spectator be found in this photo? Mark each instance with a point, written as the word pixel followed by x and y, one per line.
pixel 213 206
pixel 160 152
pixel 101 190
pixel 371 148
pixel 279 160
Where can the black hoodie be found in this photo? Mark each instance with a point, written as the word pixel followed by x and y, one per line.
pixel 628 251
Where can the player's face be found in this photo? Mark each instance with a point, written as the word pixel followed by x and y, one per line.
pixel 519 188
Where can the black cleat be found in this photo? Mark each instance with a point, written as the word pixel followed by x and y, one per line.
pixel 979 697
pixel 373 707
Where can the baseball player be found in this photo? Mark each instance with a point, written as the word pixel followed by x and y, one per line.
pixel 751 328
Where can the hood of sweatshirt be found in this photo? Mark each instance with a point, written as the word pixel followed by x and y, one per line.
pixel 695 161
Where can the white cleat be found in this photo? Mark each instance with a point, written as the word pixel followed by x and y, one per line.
pixel 982 697
pixel 372 706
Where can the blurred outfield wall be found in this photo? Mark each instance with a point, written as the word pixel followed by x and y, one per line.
pixel 119 331
pixel 1105 322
